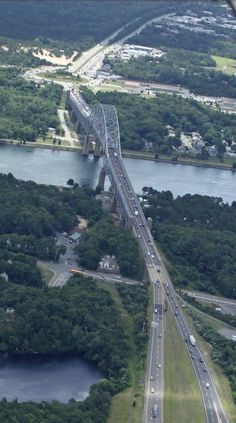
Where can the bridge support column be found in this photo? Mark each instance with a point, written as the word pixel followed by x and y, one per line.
pixel 101 180
pixel 85 151
pixel 67 100
pixel 113 205
pixel 77 126
pixel 97 151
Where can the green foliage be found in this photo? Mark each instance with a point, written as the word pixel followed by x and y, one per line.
pixel 179 67
pixel 106 238
pixel 153 115
pixel 72 319
pixel 198 235
pixel 82 23
pixel 26 111
pixel 30 216
pixel 135 300
pixel 219 41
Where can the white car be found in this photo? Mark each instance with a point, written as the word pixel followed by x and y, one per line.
pixel 152 391
pixel 151 377
pixel 207 385
pixel 159 366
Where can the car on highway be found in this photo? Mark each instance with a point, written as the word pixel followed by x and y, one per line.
pixel 205 370
pixel 152 390
pixel 201 360
pixel 159 366
pixel 155 310
pixel 159 335
pixel 151 377
pixel 207 385
pixel 154 411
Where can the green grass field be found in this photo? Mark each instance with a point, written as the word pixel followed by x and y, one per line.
pixel 225 65
pixel 183 402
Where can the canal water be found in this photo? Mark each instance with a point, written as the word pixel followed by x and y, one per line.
pixel 38 378
pixel 56 167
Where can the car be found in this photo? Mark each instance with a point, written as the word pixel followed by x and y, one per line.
pixel 153 256
pixel 139 236
pixel 176 314
pixel 207 385
pixel 155 310
pixel 151 377
pixel 190 351
pixel 192 357
pixel 205 370
pixel 201 360
pixel 159 366
pixel 152 391
pixel 148 253
pixel 154 411
pixel 159 335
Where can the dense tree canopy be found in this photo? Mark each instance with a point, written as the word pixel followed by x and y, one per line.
pixel 106 238
pixel 154 114
pixel 26 111
pixel 198 235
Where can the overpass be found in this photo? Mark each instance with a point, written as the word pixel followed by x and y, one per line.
pixel 101 123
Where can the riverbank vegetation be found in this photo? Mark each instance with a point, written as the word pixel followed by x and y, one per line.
pixel 198 235
pixel 26 111
pixel 191 70
pixel 154 114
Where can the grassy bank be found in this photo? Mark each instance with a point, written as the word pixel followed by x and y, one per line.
pixel 181 386
pixel 122 409
pixel 213 163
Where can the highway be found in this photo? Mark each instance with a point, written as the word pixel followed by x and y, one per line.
pixel 162 286
pixel 227 306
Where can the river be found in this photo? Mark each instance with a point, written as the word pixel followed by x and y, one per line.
pixel 37 378
pixel 56 167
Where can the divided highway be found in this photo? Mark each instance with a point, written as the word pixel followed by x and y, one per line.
pixel 159 278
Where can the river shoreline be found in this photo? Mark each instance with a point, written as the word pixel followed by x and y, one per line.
pixel 127 154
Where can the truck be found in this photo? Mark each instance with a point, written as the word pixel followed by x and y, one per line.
pixel 192 340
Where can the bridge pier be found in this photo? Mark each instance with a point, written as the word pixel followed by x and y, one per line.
pixel 101 180
pixel 113 205
pixel 77 126
pixel 97 150
pixel 85 150
pixel 67 102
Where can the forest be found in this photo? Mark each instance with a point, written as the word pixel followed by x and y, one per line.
pixel 188 69
pixel 154 114
pixel 106 238
pixel 198 235
pixel 81 319
pixel 215 39
pixel 26 111
pixel 84 23
pixel 78 319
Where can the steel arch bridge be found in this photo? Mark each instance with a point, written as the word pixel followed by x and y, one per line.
pixel 101 122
